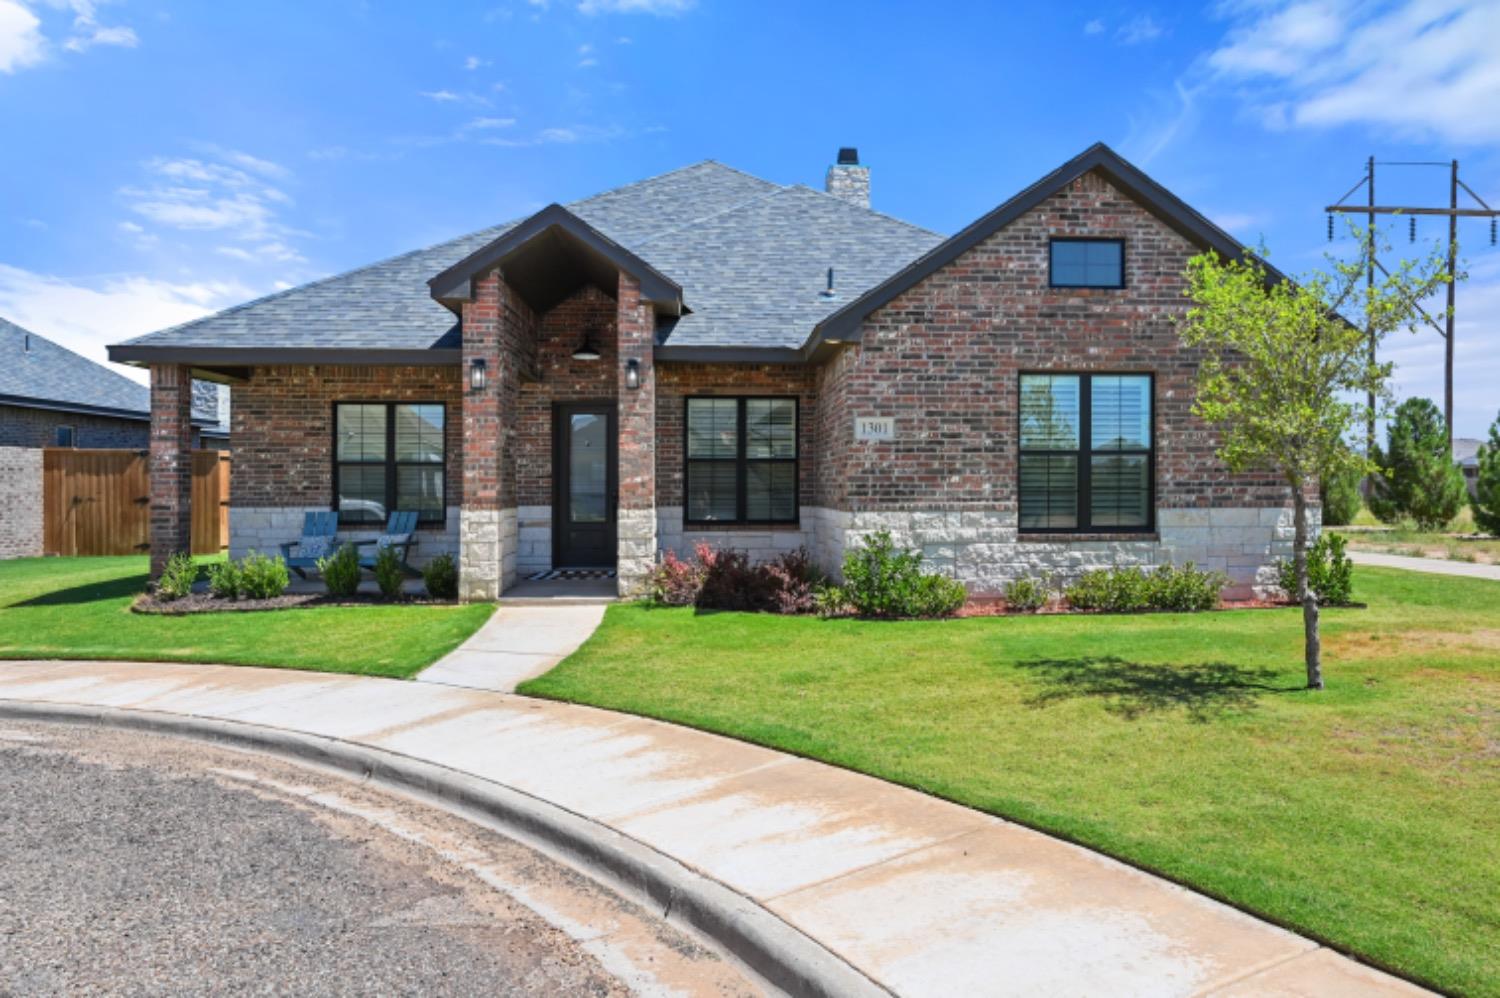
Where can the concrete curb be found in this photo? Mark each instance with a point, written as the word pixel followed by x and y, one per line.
pixel 781 955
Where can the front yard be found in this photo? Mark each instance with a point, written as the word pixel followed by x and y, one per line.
pixel 1365 815
pixel 80 608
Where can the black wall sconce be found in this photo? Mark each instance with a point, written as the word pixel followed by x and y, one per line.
pixel 476 374
pixel 632 374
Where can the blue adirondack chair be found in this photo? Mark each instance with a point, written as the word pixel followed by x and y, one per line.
pixel 400 533
pixel 318 530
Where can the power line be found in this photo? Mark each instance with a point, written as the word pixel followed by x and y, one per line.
pixel 1453 213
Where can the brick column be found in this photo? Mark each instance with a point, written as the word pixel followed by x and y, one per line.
pixel 479 551
pixel 635 329
pixel 171 463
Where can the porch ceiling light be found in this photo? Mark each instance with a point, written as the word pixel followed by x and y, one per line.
pixel 476 374
pixel 632 374
pixel 588 349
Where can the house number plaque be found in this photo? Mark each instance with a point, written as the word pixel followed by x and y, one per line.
pixel 874 428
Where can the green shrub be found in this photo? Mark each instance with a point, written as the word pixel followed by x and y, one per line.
pixel 177 577
pixel 1184 588
pixel 1486 499
pixel 224 579
pixel 1330 573
pixel 1418 479
pixel 881 580
pixel 830 600
pixel 263 576
pixel 1340 496
pixel 340 571
pixel 1026 595
pixel 388 571
pixel 441 577
pixel 1117 590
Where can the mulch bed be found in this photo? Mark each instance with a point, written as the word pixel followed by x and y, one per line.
pixel 209 603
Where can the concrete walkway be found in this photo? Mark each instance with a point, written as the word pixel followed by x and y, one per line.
pixel 922 896
pixel 1437 566
pixel 516 643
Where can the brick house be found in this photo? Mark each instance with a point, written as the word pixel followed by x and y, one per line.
pixel 705 354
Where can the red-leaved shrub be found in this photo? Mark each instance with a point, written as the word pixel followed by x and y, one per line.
pixel 724 579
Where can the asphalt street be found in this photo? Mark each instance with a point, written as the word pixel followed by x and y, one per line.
pixel 134 864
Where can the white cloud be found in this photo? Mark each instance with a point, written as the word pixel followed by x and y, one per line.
pixel 21 41
pixel 479 124
pixel 201 195
pixel 660 8
pixel 441 96
pixel 562 136
pixel 473 62
pixel 1141 28
pixel 88 316
pixel 624 40
pixel 24 42
pixel 1094 27
pixel 1421 68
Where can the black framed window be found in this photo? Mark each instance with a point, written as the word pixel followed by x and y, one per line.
pixel 1086 263
pixel 741 460
pixel 389 456
pixel 1087 459
pixel 63 436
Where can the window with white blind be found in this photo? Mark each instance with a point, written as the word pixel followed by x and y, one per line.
pixel 1086 453
pixel 741 460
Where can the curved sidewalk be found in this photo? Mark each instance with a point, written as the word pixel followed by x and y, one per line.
pixel 921 896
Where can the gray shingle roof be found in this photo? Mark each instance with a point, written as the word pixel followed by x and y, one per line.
pixel 33 367
pixel 750 255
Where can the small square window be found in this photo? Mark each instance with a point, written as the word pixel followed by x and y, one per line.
pixel 1087 263
pixel 63 436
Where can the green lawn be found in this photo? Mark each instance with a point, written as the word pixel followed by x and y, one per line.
pixel 1367 815
pixel 80 608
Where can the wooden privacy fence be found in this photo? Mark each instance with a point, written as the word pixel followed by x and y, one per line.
pixel 99 501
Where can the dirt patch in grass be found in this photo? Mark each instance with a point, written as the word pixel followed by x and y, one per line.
pixel 148 603
pixel 1485 641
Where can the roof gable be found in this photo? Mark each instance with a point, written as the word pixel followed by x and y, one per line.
pixel 844 325
pixel 547 257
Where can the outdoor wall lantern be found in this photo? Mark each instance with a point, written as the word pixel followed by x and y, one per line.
pixel 476 374
pixel 588 349
pixel 632 374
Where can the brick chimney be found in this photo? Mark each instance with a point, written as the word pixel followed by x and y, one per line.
pixel 848 180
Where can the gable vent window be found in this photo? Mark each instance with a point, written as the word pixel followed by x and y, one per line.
pixel 1087 263
pixel 1087 453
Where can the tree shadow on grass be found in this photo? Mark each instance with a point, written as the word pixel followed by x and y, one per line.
pixel 1205 691
pixel 92 592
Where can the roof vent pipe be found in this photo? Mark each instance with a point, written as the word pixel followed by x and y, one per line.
pixel 828 291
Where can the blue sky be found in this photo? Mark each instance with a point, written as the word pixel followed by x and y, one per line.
pixel 164 159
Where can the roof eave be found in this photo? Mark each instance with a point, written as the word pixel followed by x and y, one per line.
pixel 143 355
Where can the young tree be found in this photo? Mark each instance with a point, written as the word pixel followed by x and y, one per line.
pixel 1339 494
pixel 1283 375
pixel 1486 500
pixel 1417 476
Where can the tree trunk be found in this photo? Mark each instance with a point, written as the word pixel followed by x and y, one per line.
pixel 1312 643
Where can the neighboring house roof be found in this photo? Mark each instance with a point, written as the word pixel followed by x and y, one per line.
pixel 37 373
pixel 844 325
pixel 750 256
pixel 1466 451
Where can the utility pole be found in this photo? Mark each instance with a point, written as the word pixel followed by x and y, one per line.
pixel 1453 213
